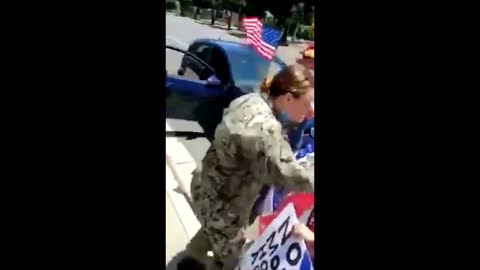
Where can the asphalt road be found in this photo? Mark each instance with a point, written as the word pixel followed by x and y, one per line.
pixel 180 32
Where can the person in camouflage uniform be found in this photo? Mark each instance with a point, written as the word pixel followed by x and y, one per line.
pixel 250 151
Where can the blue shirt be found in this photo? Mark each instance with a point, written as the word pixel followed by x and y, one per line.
pixel 296 136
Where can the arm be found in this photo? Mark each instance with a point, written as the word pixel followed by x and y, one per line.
pixel 304 232
pixel 276 162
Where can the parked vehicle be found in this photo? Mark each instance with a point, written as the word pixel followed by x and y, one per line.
pixel 213 73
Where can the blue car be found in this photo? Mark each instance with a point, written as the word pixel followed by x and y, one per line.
pixel 234 63
pixel 212 73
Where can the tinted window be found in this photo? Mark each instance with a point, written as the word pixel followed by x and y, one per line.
pixel 275 67
pixel 202 51
pixel 249 68
pixel 219 63
pixel 193 68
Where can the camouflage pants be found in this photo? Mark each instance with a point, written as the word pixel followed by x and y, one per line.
pixel 219 228
pixel 200 245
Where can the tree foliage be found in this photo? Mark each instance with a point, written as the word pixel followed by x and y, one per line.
pixel 285 17
pixel 203 3
pixel 184 6
pixel 282 10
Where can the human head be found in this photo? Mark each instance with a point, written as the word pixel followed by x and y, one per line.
pixel 291 91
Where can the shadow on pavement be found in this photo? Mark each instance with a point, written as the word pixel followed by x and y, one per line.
pixel 181 261
pixel 238 34
pixel 172 264
pixel 187 198
pixel 217 26
pixel 189 135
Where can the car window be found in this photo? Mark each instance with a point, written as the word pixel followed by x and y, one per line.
pixel 193 69
pixel 248 67
pixel 202 51
pixel 275 67
pixel 219 63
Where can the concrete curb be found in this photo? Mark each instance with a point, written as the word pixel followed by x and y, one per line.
pixel 181 184
pixel 182 205
pixel 179 165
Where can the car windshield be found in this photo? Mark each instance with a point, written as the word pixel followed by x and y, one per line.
pixel 249 68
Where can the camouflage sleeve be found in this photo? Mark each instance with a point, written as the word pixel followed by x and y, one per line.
pixel 275 161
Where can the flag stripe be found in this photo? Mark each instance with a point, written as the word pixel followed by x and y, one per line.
pixel 263 39
pixel 265 47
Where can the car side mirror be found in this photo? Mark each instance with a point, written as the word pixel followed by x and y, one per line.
pixel 213 81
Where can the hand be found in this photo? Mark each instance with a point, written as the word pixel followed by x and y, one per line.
pixel 304 232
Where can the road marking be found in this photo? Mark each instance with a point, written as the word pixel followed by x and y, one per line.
pixel 178 41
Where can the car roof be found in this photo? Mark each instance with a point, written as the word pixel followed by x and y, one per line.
pixel 229 46
pixel 222 43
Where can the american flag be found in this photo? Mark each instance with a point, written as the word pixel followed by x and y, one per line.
pixel 264 39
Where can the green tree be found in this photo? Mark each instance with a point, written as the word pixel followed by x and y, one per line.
pixel 184 6
pixel 298 17
pixel 201 4
pixel 232 6
pixel 214 11
pixel 280 9
pixel 212 4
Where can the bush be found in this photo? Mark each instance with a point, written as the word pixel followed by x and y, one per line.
pixel 306 33
pixel 188 11
pixel 170 6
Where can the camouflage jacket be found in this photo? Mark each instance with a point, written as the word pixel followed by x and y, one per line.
pixel 250 150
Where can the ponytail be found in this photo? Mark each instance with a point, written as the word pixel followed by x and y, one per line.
pixel 265 88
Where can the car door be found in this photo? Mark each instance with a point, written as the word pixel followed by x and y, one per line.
pixel 219 61
pixel 195 99
pixel 191 68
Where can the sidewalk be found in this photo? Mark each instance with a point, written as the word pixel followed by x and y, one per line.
pixel 181 223
pixel 176 237
pixel 219 24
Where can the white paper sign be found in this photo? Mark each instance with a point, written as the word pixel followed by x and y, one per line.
pixel 276 249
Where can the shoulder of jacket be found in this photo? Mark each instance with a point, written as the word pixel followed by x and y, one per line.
pixel 250 115
pixel 258 123
pixel 248 99
pixel 247 106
